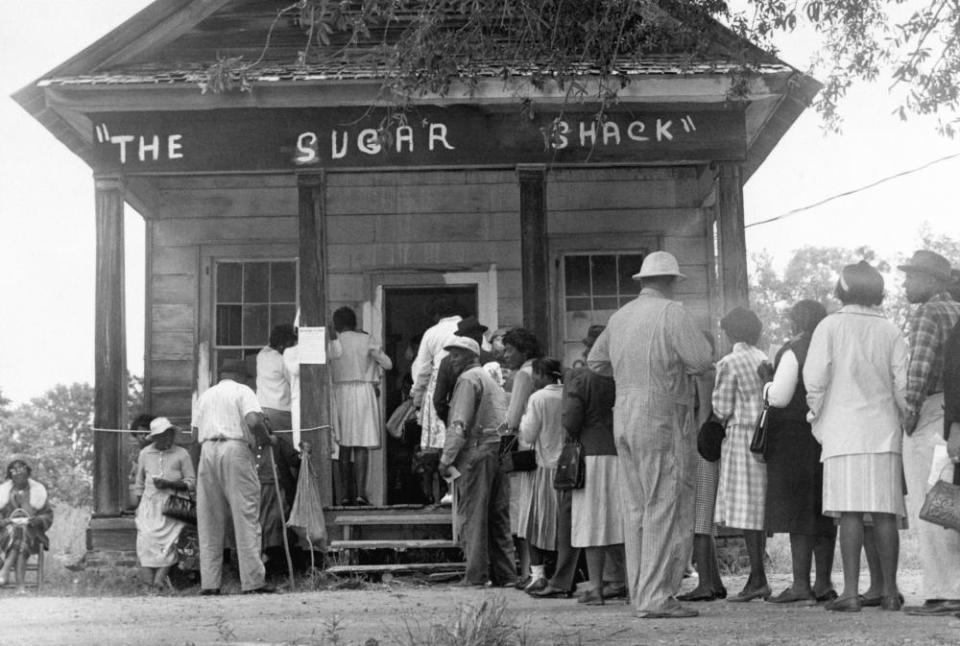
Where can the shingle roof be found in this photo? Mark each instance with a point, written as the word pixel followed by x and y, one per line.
pixel 351 70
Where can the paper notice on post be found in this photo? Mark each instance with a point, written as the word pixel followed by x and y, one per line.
pixel 312 344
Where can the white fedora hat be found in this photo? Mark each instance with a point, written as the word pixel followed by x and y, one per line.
pixel 463 343
pixel 659 263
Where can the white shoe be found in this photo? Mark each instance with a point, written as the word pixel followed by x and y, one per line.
pixel 447 499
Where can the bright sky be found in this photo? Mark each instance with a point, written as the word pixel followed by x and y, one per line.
pixel 47 203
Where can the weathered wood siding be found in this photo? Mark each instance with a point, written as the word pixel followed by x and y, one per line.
pixel 428 221
pixel 632 208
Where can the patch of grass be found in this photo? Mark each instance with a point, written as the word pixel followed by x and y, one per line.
pixel 488 624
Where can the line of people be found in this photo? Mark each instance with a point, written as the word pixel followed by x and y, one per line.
pixel 857 435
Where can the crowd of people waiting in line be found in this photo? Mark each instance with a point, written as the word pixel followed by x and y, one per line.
pixel 862 422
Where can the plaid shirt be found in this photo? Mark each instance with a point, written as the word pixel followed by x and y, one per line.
pixel 738 393
pixel 929 327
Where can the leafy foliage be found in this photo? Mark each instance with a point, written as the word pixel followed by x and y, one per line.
pixel 812 273
pixel 53 433
pixel 423 46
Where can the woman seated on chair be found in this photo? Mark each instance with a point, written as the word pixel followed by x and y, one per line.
pixel 25 516
pixel 163 469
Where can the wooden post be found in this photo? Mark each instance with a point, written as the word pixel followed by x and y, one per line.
pixel 314 380
pixel 110 349
pixel 733 243
pixel 533 249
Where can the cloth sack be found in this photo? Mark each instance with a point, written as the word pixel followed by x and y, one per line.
pixel 758 445
pixel 180 508
pixel 571 470
pixel 941 505
pixel 399 418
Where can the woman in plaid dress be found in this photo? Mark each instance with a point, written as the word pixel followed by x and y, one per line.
pixel 743 479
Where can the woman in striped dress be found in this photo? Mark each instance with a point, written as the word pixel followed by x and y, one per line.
pixel 542 427
pixel 856 374
pixel 743 479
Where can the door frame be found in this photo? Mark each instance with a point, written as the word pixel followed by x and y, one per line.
pixel 373 318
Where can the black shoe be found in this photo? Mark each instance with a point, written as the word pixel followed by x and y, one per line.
pixel 266 588
pixel 210 592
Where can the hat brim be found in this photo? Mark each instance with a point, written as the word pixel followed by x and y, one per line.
pixel 930 271
pixel 639 276
pixel 156 433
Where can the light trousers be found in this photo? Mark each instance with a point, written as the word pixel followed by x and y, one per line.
pixel 657 455
pixel 228 487
pixel 939 547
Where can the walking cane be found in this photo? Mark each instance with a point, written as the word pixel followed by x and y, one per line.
pixel 283 520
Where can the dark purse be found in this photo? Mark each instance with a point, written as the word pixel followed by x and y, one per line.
pixel 514 458
pixel 571 470
pixel 180 508
pixel 710 439
pixel 758 445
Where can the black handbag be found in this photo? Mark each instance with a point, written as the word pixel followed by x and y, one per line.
pixel 758 445
pixel 180 508
pixel 571 470
pixel 514 458
pixel 710 439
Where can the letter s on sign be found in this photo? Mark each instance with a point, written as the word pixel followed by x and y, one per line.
pixel 306 148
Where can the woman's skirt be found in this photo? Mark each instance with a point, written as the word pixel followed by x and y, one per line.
pixel 596 516
pixel 741 495
pixel 434 432
pixel 157 534
pixel 538 510
pixel 708 477
pixel 358 414
pixel 26 539
pixel 795 482
pixel 863 482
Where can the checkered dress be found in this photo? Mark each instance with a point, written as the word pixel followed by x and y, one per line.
pixel 737 400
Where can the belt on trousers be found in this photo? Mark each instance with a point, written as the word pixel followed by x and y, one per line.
pixel 482 441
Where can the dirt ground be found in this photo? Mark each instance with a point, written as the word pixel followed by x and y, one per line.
pixel 402 613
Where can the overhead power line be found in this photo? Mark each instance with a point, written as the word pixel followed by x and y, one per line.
pixel 852 191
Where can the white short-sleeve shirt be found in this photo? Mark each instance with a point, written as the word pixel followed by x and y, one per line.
pixel 220 411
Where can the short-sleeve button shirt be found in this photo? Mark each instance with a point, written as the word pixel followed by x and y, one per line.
pixel 220 411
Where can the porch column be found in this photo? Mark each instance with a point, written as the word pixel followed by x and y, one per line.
pixel 732 242
pixel 110 348
pixel 314 381
pixel 533 249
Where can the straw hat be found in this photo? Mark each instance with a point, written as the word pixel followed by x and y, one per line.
pixel 659 263
pixel 159 426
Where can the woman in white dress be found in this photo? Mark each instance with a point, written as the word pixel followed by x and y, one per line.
pixel 856 375
pixel 355 360
pixel 163 469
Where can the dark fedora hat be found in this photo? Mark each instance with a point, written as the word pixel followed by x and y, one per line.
pixel 471 327
pixel 710 439
pixel 928 262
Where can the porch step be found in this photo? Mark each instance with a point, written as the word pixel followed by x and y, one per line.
pixel 397 544
pixel 394 519
pixel 396 567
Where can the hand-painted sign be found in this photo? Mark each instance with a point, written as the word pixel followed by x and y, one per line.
pixel 288 139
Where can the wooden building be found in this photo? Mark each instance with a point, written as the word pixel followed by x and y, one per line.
pixel 262 202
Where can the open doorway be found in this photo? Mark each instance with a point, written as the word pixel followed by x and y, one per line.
pixel 406 316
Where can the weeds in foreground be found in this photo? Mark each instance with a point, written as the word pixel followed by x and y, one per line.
pixel 486 624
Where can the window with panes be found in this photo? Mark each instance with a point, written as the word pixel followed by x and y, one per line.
pixel 251 298
pixel 595 285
